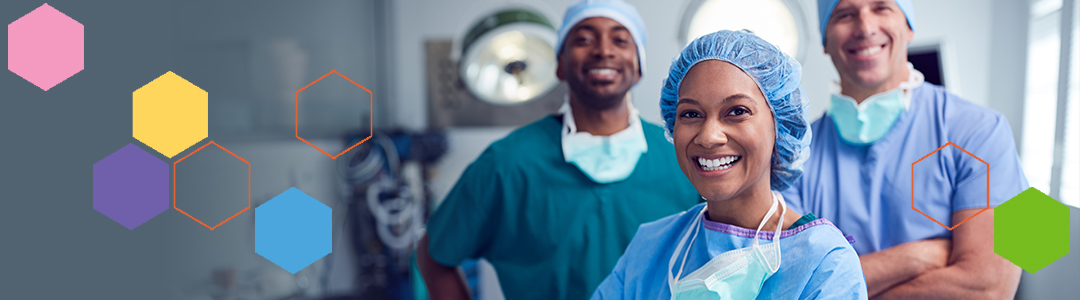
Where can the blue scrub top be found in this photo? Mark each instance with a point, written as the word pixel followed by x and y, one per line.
pixel 549 231
pixel 867 190
pixel 816 261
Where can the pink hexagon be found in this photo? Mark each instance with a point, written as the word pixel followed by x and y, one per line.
pixel 45 47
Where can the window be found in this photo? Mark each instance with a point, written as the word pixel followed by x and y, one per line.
pixel 776 21
pixel 1041 104
pixel 1070 176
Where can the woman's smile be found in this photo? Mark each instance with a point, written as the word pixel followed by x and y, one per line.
pixel 716 165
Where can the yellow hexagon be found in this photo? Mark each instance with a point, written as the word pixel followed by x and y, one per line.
pixel 169 114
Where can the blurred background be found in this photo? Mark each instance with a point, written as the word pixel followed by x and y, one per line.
pixel 446 79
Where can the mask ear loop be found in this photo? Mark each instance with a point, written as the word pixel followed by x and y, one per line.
pixel 674 256
pixel 772 209
pixel 776 235
pixel 777 198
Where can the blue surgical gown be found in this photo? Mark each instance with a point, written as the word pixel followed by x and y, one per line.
pixel 867 190
pixel 816 261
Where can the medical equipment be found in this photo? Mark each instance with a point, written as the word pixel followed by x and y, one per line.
pixel 388 207
pixel 508 57
pixel 780 22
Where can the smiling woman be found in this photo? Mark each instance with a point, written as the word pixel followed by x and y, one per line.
pixel 734 109
pixel 724 134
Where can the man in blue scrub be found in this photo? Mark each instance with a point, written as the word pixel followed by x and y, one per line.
pixel 860 175
pixel 553 205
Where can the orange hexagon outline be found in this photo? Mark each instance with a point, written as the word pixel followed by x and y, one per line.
pixel 932 218
pixel 371 118
pixel 192 217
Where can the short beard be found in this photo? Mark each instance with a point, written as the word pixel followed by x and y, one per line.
pixel 598 102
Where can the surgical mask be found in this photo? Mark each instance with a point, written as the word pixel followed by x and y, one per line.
pixel 604 159
pixel 865 123
pixel 736 274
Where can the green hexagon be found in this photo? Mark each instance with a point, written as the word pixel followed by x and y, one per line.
pixel 1031 230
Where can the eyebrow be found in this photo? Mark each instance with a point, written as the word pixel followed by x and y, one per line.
pixel 722 101
pixel 594 29
pixel 842 9
pixel 851 7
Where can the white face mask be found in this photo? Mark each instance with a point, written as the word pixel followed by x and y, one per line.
pixel 736 274
pixel 604 159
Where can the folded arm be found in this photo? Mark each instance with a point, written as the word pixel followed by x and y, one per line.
pixel 973 270
pixel 890 267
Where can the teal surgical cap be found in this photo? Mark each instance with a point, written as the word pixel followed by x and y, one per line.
pixel 776 74
pixel 825 8
pixel 616 10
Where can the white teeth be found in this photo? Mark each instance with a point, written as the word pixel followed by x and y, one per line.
pixel 602 71
pixel 869 51
pixel 717 164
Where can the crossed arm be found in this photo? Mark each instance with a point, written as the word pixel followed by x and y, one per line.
pixel 965 267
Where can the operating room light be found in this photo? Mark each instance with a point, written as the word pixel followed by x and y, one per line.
pixel 771 20
pixel 509 58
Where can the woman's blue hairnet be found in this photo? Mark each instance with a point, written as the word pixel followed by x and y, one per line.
pixel 778 77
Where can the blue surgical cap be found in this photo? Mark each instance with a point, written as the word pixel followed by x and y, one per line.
pixel 776 74
pixel 825 8
pixel 617 10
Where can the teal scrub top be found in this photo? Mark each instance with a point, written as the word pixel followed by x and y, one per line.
pixel 550 231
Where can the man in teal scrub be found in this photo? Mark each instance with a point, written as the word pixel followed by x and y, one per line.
pixel 553 205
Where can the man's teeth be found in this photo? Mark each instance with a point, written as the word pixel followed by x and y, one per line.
pixel 717 164
pixel 602 71
pixel 869 51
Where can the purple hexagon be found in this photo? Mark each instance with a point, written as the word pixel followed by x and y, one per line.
pixel 131 186
pixel 45 47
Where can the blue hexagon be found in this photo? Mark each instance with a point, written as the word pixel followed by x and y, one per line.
pixel 293 230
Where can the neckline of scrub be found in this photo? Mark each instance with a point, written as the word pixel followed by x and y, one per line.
pixel 765 235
